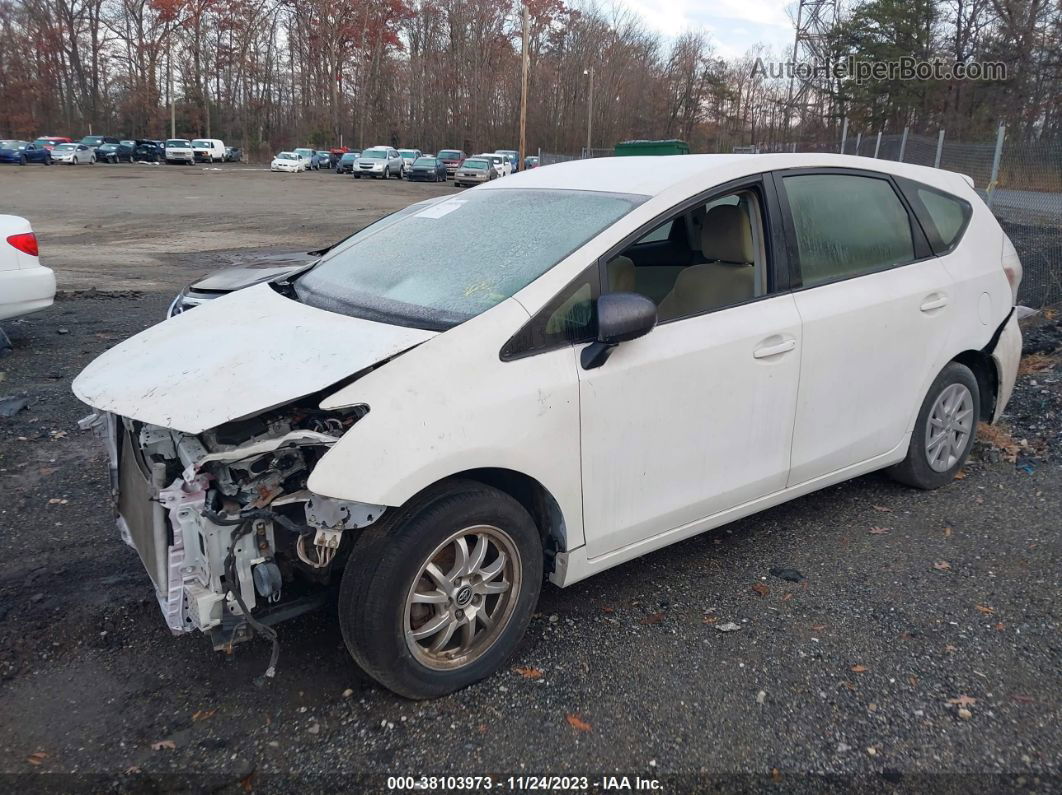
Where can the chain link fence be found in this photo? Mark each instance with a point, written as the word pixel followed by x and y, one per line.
pixel 1020 181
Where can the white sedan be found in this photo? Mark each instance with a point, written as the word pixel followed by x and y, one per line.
pixel 25 285
pixel 435 427
pixel 502 165
pixel 289 161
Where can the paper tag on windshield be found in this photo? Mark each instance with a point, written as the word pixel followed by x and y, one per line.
pixel 440 209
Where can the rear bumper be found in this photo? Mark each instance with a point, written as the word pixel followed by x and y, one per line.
pixel 26 290
pixel 1006 354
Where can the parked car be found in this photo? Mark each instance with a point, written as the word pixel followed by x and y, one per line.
pixel 149 152
pixel 514 158
pixel 453 158
pixel 437 434
pixel 25 285
pixel 233 154
pixel 289 161
pixel 179 150
pixel 408 156
pixel 382 162
pixel 427 169
pixel 474 171
pixel 500 162
pixel 314 158
pixel 208 150
pixel 115 153
pixel 531 161
pixel 95 141
pixel 346 162
pixel 23 152
pixel 74 154
pixel 335 153
pixel 49 142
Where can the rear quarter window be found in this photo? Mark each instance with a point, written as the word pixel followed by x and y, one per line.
pixel 948 214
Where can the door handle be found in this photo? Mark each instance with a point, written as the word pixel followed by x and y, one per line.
pixel 934 301
pixel 766 351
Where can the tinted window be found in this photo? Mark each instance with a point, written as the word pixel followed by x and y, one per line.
pixel 949 215
pixel 847 225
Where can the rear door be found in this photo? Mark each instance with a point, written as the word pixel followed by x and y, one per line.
pixel 875 307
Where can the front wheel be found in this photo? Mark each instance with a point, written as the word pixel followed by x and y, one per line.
pixel 944 431
pixel 440 592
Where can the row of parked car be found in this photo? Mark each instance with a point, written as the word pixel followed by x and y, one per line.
pixel 91 149
pixel 385 162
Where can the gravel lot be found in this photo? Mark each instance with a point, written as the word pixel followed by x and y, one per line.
pixel 922 649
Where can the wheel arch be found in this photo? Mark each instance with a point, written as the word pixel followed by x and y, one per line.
pixel 984 370
pixel 535 498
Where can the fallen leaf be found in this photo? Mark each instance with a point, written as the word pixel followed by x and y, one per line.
pixel 859 669
pixel 818 627
pixel 761 589
pixel 710 619
pixel 949 647
pixel 1023 699
pixel 1000 626
pixel 47 470
pixel 963 700
pixel 608 610
pixel 985 610
pixel 163 745
pixel 652 618
pixel 960 475
pixel 482 728
pixel 882 509
pixel 942 565
pixel 776 774
pixel 913 680
pixel 528 672
pixel 203 714
pixel 577 723
pixel 132 770
pixel 247 782
pixel 964 713
pixel 36 758
pixel 787 597
pixel 947 532
pixel 879 531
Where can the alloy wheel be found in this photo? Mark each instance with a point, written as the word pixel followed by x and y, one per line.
pixel 948 427
pixel 463 597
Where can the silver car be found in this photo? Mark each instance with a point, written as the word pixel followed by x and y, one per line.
pixel 382 162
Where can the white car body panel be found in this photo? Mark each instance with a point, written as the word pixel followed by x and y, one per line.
pixel 182 153
pixel 236 355
pixel 451 405
pixel 25 285
pixel 211 149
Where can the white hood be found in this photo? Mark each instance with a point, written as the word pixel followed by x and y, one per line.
pixel 235 356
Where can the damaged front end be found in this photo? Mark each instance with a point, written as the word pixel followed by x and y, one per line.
pixel 223 521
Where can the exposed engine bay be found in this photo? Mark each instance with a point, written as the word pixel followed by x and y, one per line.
pixel 223 521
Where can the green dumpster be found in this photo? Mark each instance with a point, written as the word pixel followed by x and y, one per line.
pixel 670 147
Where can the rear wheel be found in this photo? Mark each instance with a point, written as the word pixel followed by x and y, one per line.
pixel 439 593
pixel 944 431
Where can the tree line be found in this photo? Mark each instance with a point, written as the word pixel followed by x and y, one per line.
pixel 267 74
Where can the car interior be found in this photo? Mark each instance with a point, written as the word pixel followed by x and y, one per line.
pixel 709 257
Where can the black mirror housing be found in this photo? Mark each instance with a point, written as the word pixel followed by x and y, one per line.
pixel 621 317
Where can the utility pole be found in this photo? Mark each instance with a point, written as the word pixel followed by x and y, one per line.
pixel 589 109
pixel 525 57
pixel 169 82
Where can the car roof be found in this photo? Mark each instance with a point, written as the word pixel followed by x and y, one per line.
pixel 653 175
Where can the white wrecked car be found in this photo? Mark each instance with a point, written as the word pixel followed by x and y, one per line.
pixel 432 419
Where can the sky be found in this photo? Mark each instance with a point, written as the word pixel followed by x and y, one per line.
pixel 734 25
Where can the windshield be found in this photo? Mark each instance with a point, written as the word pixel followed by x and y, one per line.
pixel 449 154
pixel 305 152
pixel 10 144
pixel 202 144
pixel 348 156
pixel 108 147
pixel 407 154
pixel 376 154
pixel 475 164
pixel 424 161
pixel 386 273
pixel 92 140
pixel 66 147
pixel 177 142
pixel 286 156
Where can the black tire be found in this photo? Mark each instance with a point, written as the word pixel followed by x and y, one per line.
pixel 22 160
pixel 388 558
pixel 915 470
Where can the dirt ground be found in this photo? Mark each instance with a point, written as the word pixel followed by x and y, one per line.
pixel 920 653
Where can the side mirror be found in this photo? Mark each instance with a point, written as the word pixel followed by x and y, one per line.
pixel 621 317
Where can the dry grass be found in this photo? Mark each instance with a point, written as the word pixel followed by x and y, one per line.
pixel 1038 362
pixel 999 437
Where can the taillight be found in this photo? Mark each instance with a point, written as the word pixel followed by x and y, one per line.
pixel 1012 268
pixel 26 243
